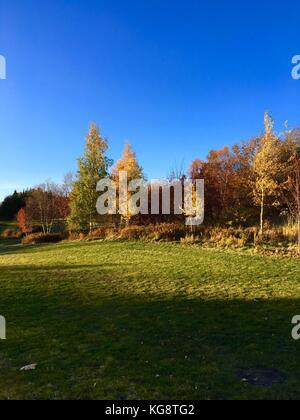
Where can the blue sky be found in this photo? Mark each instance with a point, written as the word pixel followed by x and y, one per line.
pixel 175 79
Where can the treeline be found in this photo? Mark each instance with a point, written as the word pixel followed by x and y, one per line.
pixel 254 183
pixel 12 204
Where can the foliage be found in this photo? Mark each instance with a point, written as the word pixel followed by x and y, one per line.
pixel 291 188
pixel 24 221
pixel 11 233
pixel 46 204
pixel 255 180
pixel 42 238
pixel 255 177
pixel 129 164
pixel 92 167
pixel 159 232
pixel 11 205
pixel 267 167
pixel 228 176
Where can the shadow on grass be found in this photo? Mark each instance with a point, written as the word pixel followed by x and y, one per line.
pixel 129 347
pixel 17 247
pixel 11 246
pixel 37 269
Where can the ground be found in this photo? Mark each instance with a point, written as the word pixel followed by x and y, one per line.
pixel 129 320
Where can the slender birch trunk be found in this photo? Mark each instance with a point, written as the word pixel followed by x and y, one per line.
pixel 262 206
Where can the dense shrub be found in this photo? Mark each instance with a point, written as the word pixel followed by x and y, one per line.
pixel 133 232
pixel 166 232
pixel 191 239
pixel 73 236
pixel 225 237
pixel 11 233
pixel 231 237
pixel 7 233
pixel 279 236
pixel 290 232
pixel 41 238
pixel 99 233
pixel 112 234
pixel 159 232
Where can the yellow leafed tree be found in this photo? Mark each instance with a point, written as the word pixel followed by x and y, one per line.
pixel 266 168
pixel 128 164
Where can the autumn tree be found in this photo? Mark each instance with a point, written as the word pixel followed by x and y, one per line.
pixel 218 172
pixel 92 167
pixel 291 190
pixel 127 164
pixel 228 175
pixel 241 207
pixel 24 221
pixel 46 205
pixel 266 167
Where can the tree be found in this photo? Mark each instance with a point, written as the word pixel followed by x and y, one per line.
pixel 67 184
pixel 11 205
pixel 177 172
pixel 220 174
pixel 129 164
pixel 24 221
pixel 291 191
pixel 92 167
pixel 266 168
pixel 46 205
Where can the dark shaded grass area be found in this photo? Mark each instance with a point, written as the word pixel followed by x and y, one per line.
pixel 146 349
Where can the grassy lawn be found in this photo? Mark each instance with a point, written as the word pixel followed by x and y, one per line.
pixel 8 244
pixel 113 320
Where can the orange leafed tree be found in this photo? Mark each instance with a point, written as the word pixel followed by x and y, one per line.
pixel 228 176
pixel 24 221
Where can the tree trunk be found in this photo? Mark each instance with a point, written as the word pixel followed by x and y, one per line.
pixel 262 206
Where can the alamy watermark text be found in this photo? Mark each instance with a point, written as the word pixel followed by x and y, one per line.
pixel 132 198
pixel 2 68
pixel 2 328
pixel 296 68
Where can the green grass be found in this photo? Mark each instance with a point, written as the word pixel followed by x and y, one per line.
pixel 8 244
pixel 113 320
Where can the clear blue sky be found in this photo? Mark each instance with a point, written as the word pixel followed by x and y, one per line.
pixel 175 78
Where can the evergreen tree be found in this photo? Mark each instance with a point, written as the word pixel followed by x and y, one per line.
pixel 11 205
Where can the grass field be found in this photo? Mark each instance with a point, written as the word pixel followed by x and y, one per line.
pixel 113 320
